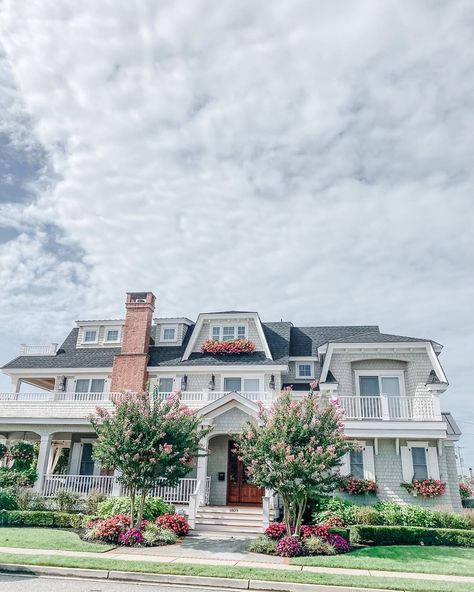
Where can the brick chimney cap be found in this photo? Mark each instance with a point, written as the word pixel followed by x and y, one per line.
pixel 140 298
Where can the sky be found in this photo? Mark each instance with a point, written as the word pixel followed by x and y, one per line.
pixel 310 160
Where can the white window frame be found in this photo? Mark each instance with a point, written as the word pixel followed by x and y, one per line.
pixel 259 377
pixel 90 379
pixel 107 329
pixel 85 330
pixel 400 374
pixel 304 363
pixel 221 331
pixel 162 333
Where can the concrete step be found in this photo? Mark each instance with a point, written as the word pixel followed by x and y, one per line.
pixel 227 516
pixel 232 523
pixel 237 529
pixel 232 509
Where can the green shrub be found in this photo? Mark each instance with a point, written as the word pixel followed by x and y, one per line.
pixel 94 498
pixel 29 499
pixel 327 507
pixel 451 520
pixel 67 501
pixel 263 544
pixel 17 478
pixel 315 545
pixel 411 535
pixel 469 517
pixel 155 536
pixel 154 507
pixel 365 515
pixel 7 500
pixel 44 518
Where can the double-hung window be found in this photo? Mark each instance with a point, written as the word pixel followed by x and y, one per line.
pixel 248 385
pixel 90 335
pixel 357 464
pixel 420 463
pixel 112 335
pixel 304 370
pixel 168 333
pixel 228 332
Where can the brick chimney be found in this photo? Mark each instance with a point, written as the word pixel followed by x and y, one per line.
pixel 129 372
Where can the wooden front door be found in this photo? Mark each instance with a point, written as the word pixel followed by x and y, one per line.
pixel 239 489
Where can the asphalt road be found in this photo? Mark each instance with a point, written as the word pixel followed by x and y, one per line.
pixel 30 583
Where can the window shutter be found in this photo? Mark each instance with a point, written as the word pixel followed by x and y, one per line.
pixel 407 464
pixel 369 464
pixel 433 465
pixel 346 465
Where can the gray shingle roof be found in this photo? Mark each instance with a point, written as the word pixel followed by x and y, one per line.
pixel 68 356
pixel 452 427
pixel 306 340
pixel 375 337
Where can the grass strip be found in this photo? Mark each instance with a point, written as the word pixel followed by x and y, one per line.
pixel 237 572
pixel 48 538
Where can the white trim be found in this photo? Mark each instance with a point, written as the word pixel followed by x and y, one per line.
pixel 259 377
pixel 112 328
pixel 217 368
pixel 225 403
pixel 232 324
pixel 233 316
pixel 53 372
pixel 303 358
pixel 400 374
pixel 100 323
pixel 90 329
pixel 436 364
pixel 297 369
pixel 162 330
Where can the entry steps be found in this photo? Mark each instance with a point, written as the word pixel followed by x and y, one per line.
pixel 238 520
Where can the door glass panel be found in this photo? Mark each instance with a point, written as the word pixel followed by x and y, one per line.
pixel 233 465
pixel 165 385
pixel 87 463
pixel 390 385
pixel 97 385
pixel 369 386
pixel 232 384
pixel 251 385
pixel 82 385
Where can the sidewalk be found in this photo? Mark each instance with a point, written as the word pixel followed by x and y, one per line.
pixel 238 557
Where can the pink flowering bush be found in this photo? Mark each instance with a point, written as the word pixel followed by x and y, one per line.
pixel 340 544
pixel 276 530
pixel 295 449
pixel 175 522
pixel 147 440
pixel 131 537
pixel 359 486
pixel 110 529
pixel 426 488
pixel 289 546
pixel 227 348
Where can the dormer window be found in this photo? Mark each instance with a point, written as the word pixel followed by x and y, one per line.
pixel 304 370
pixel 112 335
pixel 168 333
pixel 228 332
pixel 90 336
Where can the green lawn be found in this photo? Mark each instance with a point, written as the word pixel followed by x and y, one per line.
pixel 436 560
pixel 47 538
pixel 238 572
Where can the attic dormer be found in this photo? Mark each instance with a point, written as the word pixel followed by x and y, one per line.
pixel 171 331
pixel 100 333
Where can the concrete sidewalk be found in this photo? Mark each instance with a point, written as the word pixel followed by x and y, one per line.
pixel 181 554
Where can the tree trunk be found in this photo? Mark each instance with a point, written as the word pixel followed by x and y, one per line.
pixel 132 505
pixel 286 514
pixel 301 507
pixel 143 494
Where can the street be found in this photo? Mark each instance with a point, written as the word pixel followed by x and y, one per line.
pixel 18 583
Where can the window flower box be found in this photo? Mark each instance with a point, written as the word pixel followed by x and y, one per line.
pixel 355 486
pixel 427 487
pixel 228 348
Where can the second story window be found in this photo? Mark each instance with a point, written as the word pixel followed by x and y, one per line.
pixel 228 332
pixel 357 464
pixel 112 335
pixel 90 336
pixel 304 370
pixel 168 333
pixel 87 385
pixel 374 386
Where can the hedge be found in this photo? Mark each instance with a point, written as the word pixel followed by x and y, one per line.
pixel 411 535
pixel 43 518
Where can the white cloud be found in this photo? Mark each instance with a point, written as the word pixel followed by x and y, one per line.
pixel 311 160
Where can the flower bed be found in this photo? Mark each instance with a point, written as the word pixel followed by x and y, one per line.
pixel 226 348
pixel 359 486
pixel 426 488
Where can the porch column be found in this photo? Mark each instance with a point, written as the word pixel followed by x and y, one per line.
pixel 201 469
pixel 43 460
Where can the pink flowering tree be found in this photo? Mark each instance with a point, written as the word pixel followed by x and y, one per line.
pixel 146 441
pixel 296 449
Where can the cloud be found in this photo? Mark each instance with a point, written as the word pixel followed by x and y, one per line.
pixel 310 160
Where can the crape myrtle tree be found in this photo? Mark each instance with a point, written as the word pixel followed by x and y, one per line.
pixel 146 441
pixel 296 449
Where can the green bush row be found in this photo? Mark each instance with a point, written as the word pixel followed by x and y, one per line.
pixel 43 518
pixel 411 535
pixel 389 514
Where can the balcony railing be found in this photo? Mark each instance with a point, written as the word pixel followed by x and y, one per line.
pixel 56 396
pixel 84 484
pixel 38 350
pixel 389 408
pixel 196 399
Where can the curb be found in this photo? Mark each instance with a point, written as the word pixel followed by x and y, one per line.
pixel 211 582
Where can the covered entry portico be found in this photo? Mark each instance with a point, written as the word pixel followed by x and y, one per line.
pixel 228 482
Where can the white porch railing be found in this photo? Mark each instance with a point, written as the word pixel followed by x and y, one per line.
pixel 81 484
pixel 56 396
pixel 389 408
pixel 181 493
pixel 38 350
pixel 196 399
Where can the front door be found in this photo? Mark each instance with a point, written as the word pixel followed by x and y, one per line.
pixel 239 489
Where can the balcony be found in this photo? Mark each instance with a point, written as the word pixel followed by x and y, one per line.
pixel 198 399
pixel 38 350
pixel 391 408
